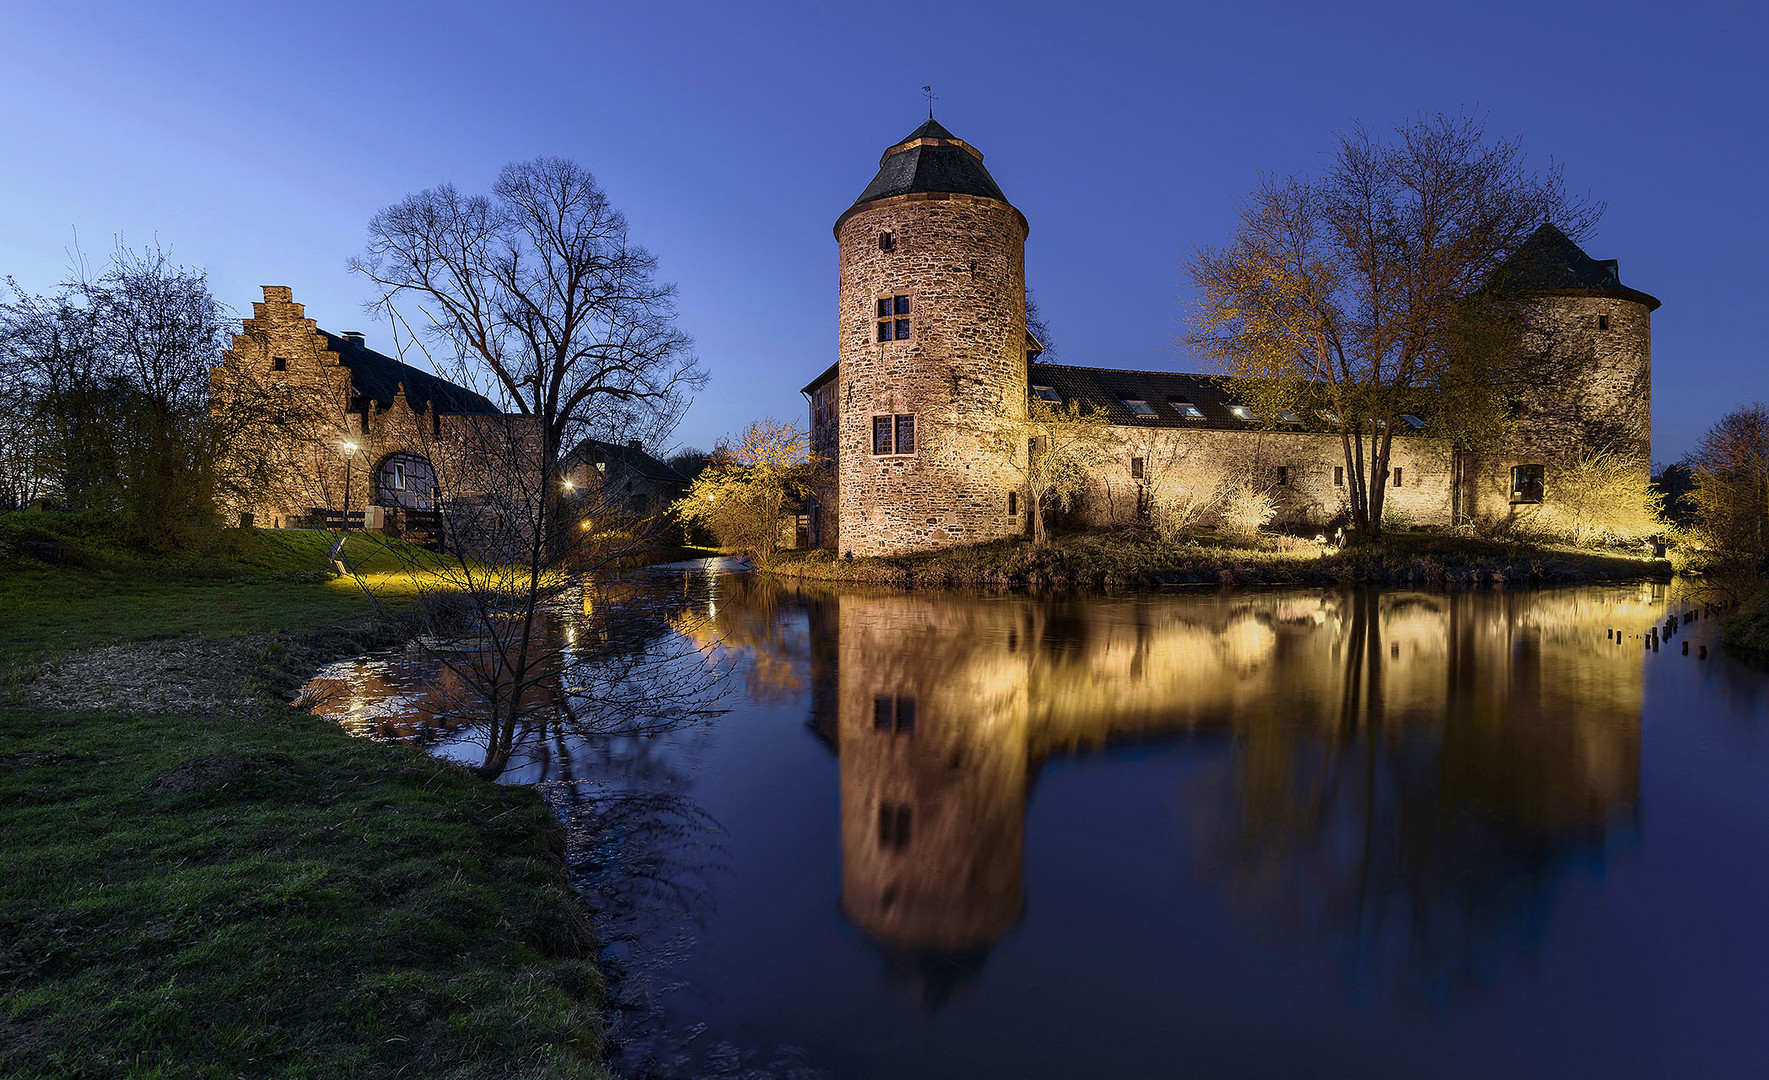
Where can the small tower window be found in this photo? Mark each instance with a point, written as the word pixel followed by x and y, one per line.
pixel 279 364
pixel 893 826
pixel 1528 482
pixel 1603 322
pixel 893 318
pixel 887 241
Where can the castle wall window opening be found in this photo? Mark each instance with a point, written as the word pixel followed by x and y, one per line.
pixel 1528 483
pixel 1603 322
pixel 887 241
pixel 279 364
pixel 1136 468
pixel 893 435
pixel 1013 503
pixel 1338 476
pixel 892 317
pixel 1283 475
pixel 894 714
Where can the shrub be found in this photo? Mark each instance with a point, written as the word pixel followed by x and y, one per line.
pixel 1247 507
pixel 1602 497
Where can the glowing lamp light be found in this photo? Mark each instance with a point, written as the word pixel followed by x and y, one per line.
pixel 350 448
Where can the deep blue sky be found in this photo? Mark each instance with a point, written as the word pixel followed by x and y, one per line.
pixel 257 140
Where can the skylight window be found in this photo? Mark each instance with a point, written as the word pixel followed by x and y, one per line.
pixel 1185 408
pixel 1139 407
pixel 1289 417
pixel 1329 416
pixel 1413 420
pixel 1047 393
pixel 1241 412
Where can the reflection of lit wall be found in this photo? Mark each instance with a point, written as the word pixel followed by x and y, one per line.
pixel 1532 715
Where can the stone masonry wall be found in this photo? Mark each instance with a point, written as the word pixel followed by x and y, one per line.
pixel 962 261
pixel 1202 459
pixel 1601 398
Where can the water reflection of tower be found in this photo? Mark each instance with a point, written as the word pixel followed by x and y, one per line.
pixel 933 758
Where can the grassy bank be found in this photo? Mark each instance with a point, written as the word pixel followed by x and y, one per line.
pixel 72 582
pixel 258 894
pixel 1135 560
pixel 239 889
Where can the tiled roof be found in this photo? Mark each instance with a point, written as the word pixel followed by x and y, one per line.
pixel 1110 388
pixel 379 378
pixel 1550 262
pixel 633 459
pixel 937 162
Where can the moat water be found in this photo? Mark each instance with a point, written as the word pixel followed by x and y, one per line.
pixel 1263 834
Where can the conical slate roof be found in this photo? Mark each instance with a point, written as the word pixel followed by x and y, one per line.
pixel 1549 262
pixel 930 159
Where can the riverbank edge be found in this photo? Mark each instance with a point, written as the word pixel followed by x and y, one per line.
pixel 1111 564
pixel 550 937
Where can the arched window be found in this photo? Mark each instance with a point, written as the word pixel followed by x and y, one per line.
pixel 406 480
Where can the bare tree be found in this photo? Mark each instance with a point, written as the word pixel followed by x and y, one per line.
pixel 537 294
pixel 1731 492
pixel 112 377
pixel 1357 293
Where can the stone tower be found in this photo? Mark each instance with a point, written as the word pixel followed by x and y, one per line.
pixel 932 340
pixel 1596 335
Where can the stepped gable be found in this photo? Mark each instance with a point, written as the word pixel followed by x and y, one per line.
pixel 1550 263
pixel 929 161
pixel 378 378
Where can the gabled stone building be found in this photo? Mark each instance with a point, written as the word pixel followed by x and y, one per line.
pixel 364 434
pixel 932 340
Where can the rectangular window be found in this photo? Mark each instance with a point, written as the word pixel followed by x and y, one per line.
pixel 893 714
pixel 1603 322
pixel 1338 476
pixel 893 826
pixel 1136 468
pixel 905 434
pixel 279 364
pixel 1397 476
pixel 893 435
pixel 1528 483
pixel 1047 393
pixel 1289 417
pixel 1139 407
pixel 1185 409
pixel 1241 412
pixel 1013 503
pixel 1283 474
pixel 892 315
pixel 1412 420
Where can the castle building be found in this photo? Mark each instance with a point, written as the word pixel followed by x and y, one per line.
pixel 932 343
pixel 366 440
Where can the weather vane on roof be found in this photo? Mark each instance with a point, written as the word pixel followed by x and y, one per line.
pixel 929 91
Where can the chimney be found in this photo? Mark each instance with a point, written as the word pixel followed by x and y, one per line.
pixel 635 444
pixel 355 338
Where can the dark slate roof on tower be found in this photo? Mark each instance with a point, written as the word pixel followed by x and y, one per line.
pixel 379 378
pixel 1550 262
pixel 930 159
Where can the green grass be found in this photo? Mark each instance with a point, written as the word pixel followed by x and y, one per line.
pixel 322 906
pixel 235 582
pixel 1136 559
pixel 336 907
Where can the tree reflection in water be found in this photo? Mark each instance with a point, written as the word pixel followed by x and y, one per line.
pixel 1408 773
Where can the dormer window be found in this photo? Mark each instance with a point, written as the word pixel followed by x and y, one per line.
pixel 1047 393
pixel 1413 421
pixel 892 318
pixel 1185 409
pixel 1241 412
pixel 1139 407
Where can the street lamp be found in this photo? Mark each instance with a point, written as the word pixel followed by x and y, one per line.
pixel 349 452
